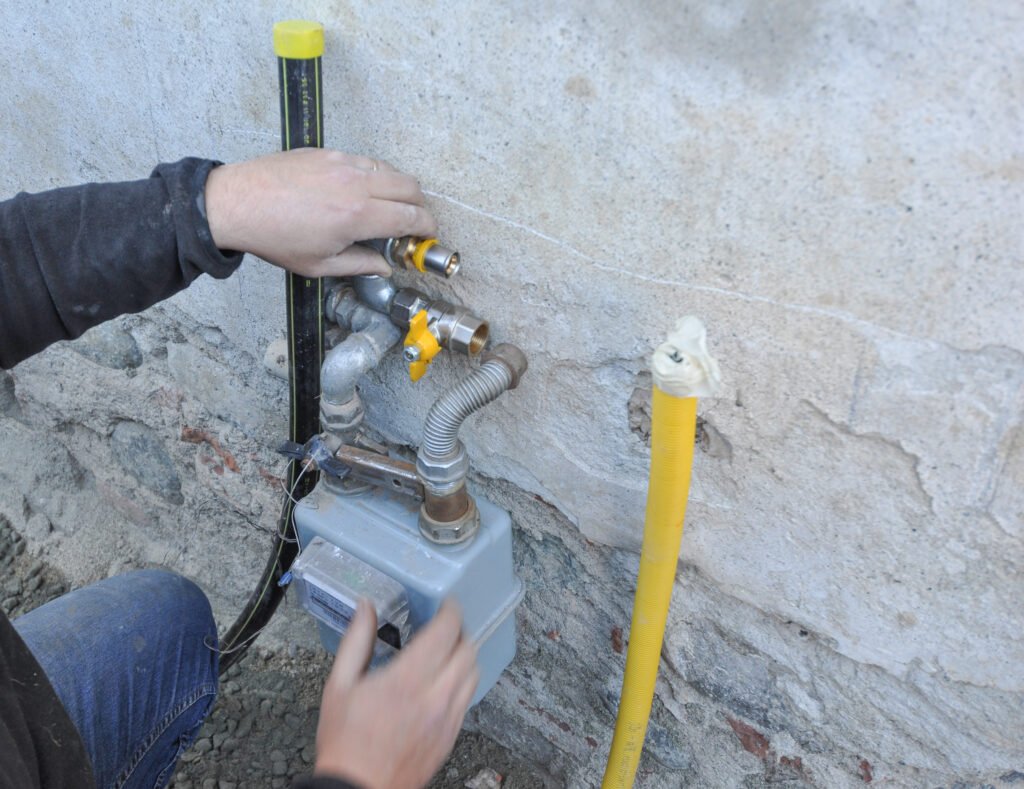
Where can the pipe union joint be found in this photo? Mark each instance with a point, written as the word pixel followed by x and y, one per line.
pixel 443 476
pixel 340 418
pixel 406 303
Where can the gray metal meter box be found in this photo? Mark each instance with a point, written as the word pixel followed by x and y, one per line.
pixel 381 530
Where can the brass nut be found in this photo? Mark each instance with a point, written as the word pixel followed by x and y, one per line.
pixel 406 303
pixel 450 533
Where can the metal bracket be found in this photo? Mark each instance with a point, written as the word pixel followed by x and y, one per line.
pixel 349 462
pixel 383 471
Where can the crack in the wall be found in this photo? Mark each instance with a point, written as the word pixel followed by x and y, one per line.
pixel 619 481
pixel 150 86
pixel 868 328
pixel 855 389
pixel 847 430
pixel 954 409
pixel 1001 448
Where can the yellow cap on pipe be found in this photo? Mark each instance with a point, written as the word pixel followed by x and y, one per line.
pixel 298 39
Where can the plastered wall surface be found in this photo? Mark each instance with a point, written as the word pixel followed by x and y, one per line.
pixel 835 188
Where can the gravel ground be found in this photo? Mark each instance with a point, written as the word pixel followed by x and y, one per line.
pixel 27 582
pixel 262 729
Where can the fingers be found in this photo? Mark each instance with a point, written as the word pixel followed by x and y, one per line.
pixel 433 645
pixel 387 219
pixel 397 186
pixel 462 697
pixel 373 165
pixel 362 162
pixel 354 261
pixel 458 679
pixel 454 689
pixel 307 207
pixel 356 648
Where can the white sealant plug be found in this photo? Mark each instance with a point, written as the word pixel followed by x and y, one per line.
pixel 682 366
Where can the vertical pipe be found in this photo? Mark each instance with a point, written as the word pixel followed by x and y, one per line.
pixel 299 46
pixel 682 370
pixel 673 424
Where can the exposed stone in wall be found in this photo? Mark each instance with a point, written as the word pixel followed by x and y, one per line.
pixel 141 453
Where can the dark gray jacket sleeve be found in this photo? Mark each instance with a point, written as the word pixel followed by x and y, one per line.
pixel 72 258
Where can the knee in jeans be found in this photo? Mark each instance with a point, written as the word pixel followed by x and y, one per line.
pixel 180 600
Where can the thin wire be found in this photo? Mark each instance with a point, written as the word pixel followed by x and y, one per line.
pixel 236 646
pixel 291 493
pixel 291 497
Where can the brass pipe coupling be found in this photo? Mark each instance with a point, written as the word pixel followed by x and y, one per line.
pixel 425 255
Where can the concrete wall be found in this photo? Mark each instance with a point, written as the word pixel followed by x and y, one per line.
pixel 834 187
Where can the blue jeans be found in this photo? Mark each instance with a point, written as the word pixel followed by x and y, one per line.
pixel 133 659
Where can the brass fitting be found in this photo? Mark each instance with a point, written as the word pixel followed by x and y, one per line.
pixel 449 530
pixel 425 255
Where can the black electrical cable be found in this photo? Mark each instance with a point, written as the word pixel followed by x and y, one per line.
pixel 301 127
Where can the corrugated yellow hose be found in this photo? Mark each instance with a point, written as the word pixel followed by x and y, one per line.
pixel 682 371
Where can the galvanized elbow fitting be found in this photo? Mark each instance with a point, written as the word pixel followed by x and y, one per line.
pixel 373 335
pixel 456 328
pixel 417 254
pixel 375 292
pixel 448 514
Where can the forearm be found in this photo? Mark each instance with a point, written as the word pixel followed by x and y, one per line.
pixel 73 258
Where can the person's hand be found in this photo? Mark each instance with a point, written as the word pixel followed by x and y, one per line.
pixel 303 209
pixel 393 728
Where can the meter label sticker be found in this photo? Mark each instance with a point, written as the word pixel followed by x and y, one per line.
pixel 330 609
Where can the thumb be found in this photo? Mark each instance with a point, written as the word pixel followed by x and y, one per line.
pixel 356 648
pixel 356 260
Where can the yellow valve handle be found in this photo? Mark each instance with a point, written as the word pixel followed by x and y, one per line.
pixel 422 339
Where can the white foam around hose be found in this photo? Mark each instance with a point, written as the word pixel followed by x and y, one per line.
pixel 682 366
